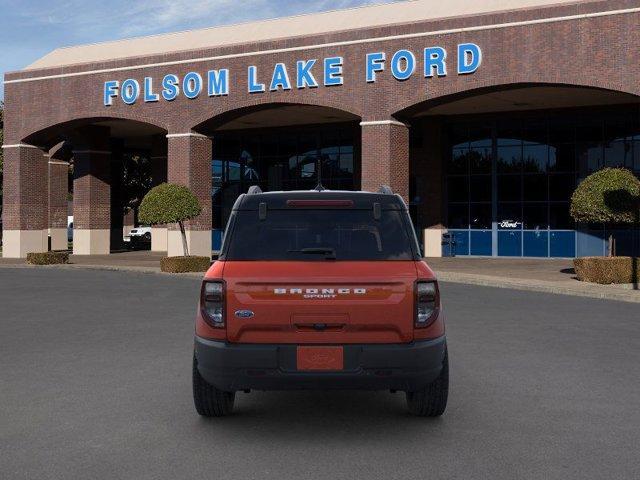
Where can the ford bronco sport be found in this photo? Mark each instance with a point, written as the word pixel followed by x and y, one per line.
pixel 320 290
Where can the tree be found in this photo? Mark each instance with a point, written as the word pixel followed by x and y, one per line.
pixel 608 196
pixel 170 203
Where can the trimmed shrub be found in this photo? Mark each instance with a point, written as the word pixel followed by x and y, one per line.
pixel 185 264
pixel 610 195
pixel 48 258
pixel 607 270
pixel 170 203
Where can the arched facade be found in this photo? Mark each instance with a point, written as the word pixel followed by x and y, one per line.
pixel 400 84
pixel 495 167
pixel 37 172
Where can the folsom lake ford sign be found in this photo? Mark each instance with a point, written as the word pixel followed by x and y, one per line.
pixel 309 73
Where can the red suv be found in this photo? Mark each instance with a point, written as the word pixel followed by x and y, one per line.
pixel 320 290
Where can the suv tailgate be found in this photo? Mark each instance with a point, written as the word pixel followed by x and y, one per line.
pixel 320 302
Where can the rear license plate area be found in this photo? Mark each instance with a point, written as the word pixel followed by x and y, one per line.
pixel 320 359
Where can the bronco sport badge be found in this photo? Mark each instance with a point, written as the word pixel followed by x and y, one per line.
pixel 319 292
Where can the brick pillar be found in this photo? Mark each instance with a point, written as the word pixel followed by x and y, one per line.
pixel 385 156
pixel 92 192
pixel 427 153
pixel 159 175
pixel 58 191
pixel 189 164
pixel 24 201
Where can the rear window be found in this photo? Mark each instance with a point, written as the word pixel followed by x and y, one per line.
pixel 310 235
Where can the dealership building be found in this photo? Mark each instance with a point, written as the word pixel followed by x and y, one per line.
pixel 483 115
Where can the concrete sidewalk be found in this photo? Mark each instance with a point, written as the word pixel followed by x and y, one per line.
pixel 128 261
pixel 135 258
pixel 539 275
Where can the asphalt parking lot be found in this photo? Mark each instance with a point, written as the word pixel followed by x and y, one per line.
pixel 95 383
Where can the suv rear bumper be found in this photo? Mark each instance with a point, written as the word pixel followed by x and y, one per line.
pixel 231 367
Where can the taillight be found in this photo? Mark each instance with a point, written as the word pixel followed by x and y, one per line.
pixel 427 303
pixel 212 303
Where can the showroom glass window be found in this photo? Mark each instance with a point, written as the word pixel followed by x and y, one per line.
pixel 509 179
pixel 282 159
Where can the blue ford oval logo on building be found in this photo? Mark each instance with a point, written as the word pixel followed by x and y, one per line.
pixel 244 313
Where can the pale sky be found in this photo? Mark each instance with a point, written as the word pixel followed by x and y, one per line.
pixel 31 28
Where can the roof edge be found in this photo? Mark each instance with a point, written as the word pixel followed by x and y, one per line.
pixel 34 67
pixel 226 25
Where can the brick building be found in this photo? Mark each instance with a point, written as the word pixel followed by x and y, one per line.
pixel 482 115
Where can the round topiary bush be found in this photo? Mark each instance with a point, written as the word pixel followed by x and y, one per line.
pixel 170 203
pixel 610 195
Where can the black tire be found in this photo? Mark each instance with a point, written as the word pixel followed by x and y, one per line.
pixel 208 400
pixel 432 400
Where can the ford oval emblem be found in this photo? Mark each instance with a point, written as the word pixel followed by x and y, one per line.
pixel 244 313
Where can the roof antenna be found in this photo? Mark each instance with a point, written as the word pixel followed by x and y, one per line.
pixel 319 187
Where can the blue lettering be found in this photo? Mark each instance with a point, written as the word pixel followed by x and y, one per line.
pixel 304 77
pixel 218 82
pixel 375 63
pixel 110 92
pixel 192 85
pixel 149 96
pixel 434 57
pixel 170 87
pixel 130 91
pixel 280 78
pixel 403 64
pixel 333 71
pixel 254 86
pixel 469 58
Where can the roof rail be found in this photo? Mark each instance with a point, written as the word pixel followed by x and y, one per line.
pixel 253 190
pixel 385 190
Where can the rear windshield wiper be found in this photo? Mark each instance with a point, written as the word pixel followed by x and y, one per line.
pixel 329 253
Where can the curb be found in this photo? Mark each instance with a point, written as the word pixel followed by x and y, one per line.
pixel 111 268
pixel 604 292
